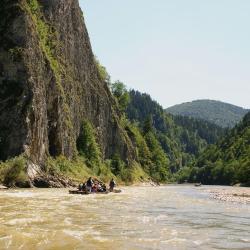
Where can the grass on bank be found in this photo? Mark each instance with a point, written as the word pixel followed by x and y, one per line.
pixel 78 171
pixel 13 172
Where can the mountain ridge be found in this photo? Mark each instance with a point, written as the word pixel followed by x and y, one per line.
pixel 220 113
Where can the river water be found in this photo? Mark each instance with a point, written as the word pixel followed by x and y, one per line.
pixel 170 217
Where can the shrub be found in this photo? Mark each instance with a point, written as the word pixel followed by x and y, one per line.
pixel 13 172
pixel 87 145
pixel 75 169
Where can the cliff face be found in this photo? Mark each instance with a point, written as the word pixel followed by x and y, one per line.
pixel 49 83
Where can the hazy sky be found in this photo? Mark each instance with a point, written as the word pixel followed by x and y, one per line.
pixel 175 50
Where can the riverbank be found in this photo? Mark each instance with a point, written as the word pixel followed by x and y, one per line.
pixel 73 185
pixel 231 194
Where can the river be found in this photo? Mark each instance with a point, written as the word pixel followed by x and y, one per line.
pixel 168 217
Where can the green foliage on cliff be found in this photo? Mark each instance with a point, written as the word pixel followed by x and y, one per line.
pixel 150 153
pixel 87 145
pixel 46 35
pixel 75 169
pixel 90 152
pixel 13 172
pixel 116 164
pixel 121 94
pixel 226 162
pixel 102 72
pixel 222 114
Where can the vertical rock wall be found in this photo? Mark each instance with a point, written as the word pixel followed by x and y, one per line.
pixel 49 83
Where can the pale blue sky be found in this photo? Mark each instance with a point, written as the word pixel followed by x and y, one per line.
pixel 175 50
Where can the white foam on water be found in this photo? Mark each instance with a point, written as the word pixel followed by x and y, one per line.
pixel 6 237
pixel 67 221
pixel 147 240
pixel 21 247
pixel 7 241
pixel 175 240
pixel 144 219
pixel 174 233
pixel 23 221
pixel 161 217
pixel 80 234
pixel 101 239
pixel 197 242
pixel 76 234
pixel 245 240
pixel 43 242
pixel 23 194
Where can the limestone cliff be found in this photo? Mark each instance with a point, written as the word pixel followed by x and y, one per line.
pixel 49 83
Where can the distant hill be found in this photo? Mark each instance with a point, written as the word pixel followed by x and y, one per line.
pixel 219 113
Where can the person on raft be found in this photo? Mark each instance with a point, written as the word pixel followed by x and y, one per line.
pixel 89 184
pixel 112 184
pixel 99 187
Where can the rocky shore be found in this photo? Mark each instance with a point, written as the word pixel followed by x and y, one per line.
pixel 231 194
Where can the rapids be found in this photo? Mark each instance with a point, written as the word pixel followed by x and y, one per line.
pixel 168 217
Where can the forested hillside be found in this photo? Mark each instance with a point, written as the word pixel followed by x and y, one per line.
pixel 219 113
pixel 181 138
pixel 206 130
pixel 226 162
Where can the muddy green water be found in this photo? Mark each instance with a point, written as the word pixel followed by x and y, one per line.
pixel 171 217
